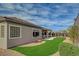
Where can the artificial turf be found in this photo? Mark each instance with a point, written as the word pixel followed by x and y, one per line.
pixel 48 48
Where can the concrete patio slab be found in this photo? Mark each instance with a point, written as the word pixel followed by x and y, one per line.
pixel 50 38
pixel 9 52
pixel 32 44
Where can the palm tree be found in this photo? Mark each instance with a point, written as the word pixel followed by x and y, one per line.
pixel 73 33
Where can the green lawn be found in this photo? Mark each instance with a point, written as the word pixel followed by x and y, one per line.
pixel 48 48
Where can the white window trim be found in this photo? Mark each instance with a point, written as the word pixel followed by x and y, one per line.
pixel 20 32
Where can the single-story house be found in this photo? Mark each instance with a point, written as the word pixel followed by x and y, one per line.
pixel 63 34
pixel 46 33
pixel 14 31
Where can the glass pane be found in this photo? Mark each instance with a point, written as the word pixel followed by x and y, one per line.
pixel 14 31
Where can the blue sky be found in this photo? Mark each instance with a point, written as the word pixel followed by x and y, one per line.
pixel 52 16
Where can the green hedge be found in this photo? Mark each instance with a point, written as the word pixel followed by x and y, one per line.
pixel 66 49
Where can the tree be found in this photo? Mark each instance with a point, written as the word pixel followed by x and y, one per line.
pixel 73 33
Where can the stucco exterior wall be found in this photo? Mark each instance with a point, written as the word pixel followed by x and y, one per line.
pixel 3 41
pixel 26 35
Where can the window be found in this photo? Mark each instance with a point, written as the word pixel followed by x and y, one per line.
pixel 2 31
pixel 50 33
pixel 14 31
pixel 53 34
pixel 35 33
pixel 44 33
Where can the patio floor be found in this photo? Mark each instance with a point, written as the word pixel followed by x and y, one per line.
pixel 9 52
pixel 32 44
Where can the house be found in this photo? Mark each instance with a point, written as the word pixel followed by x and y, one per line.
pixel 14 31
pixel 61 34
pixel 46 33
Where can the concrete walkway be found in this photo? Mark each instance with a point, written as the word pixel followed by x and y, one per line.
pixel 32 44
pixel 9 52
pixel 50 38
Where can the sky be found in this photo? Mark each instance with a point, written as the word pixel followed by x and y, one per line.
pixel 54 16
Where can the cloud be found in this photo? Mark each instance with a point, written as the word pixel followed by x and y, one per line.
pixel 52 16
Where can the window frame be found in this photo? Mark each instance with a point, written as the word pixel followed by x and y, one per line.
pixel 10 31
pixel 35 31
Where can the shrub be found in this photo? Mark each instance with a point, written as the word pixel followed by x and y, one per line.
pixel 66 49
